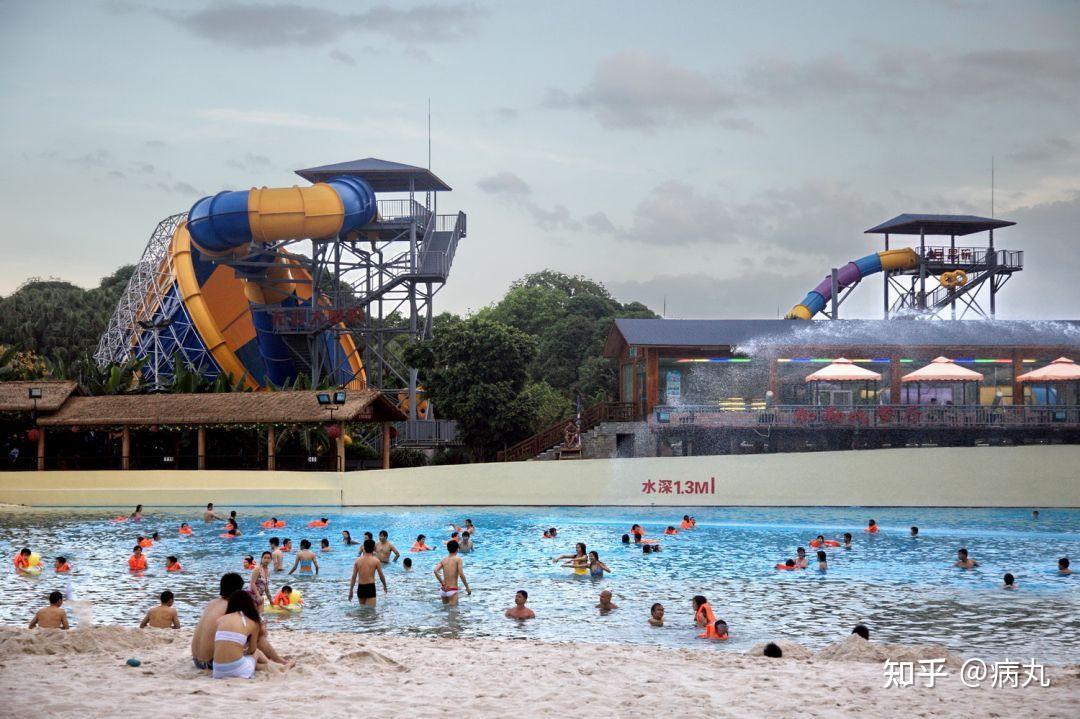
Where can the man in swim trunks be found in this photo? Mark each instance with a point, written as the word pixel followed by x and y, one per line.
pixel 384 548
pixel 202 641
pixel 209 515
pixel 52 616
pixel 162 616
pixel 606 604
pixel 275 553
pixel 465 545
pixel 963 561
pixel 366 566
pixel 519 610
pixel 448 571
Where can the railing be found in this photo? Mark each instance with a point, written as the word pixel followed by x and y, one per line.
pixel 425 433
pixel 390 210
pixel 890 416
pixel 975 257
pixel 553 435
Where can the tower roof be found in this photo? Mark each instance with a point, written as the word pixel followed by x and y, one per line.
pixel 912 224
pixel 382 175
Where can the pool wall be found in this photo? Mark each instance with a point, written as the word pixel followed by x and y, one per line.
pixel 1036 476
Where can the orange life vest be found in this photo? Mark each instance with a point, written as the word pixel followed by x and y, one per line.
pixel 417 547
pixel 281 599
pixel 173 567
pixel 185 530
pixel 65 567
pixel 21 562
pixel 709 617
pixel 146 543
pixel 136 563
pixel 317 524
pixel 671 531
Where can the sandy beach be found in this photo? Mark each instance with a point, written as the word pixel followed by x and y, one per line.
pixel 84 673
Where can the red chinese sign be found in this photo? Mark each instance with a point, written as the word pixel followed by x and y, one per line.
pixel 669 486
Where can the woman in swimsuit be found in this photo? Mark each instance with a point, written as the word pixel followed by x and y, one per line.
pixel 346 538
pixel 579 561
pixel 305 559
pixel 260 580
pixel 236 652
pixel 596 567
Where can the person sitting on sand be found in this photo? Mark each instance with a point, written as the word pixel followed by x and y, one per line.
pixel 384 548
pixel 305 559
pixel 963 561
pixel 773 651
pixel 366 566
pixel 466 544
pixel 61 565
pixel 847 540
pixel 419 546
pixel 861 630
pixel 1009 581
pixel 52 616
pixel 606 605
pixel 259 584
pixel 346 538
pixel 210 515
pixel 202 640
pixel 172 564
pixel 579 561
pixel 236 639
pixel 1063 566
pixel 822 561
pixel 447 572
pixel 162 616
pixel 800 558
pixel 137 560
pixel 656 615
pixel 914 532
pixel 596 567
pixel 519 610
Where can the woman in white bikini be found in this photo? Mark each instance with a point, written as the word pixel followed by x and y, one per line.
pixel 236 639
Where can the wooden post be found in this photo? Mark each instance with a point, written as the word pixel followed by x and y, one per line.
pixel 125 448
pixel 201 444
pixel 1017 370
pixel 340 443
pixel 894 379
pixel 386 445
pixel 41 449
pixel 774 379
pixel 271 448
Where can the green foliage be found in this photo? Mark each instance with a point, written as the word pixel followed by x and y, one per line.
pixel 406 457
pixel 58 320
pixel 16 365
pixel 544 404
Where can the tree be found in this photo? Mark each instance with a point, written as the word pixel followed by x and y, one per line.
pixel 544 404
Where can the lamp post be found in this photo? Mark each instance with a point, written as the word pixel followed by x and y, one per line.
pixel 332 401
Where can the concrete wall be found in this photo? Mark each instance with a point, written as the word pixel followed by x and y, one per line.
pixel 1037 476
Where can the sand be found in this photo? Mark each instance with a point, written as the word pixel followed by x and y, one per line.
pixel 83 673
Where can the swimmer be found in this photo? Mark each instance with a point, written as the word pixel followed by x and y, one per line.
pixel 871 527
pixel 185 529
pixel 596 567
pixel 717 630
pixel 61 565
pixel 519 610
pixel 1034 514
pixel 284 597
pixel 550 533
pixel 579 561
pixel 172 564
pixel 305 559
pixel 384 548
pixel 822 561
pixel 773 651
pixel 606 604
pixel 275 553
pixel 419 546
pixel 155 537
pixel 136 516
pixel 650 548
pixel 366 566
pixel 22 559
pixel 470 528
pixel 52 616
pixel 447 572
pixel 454 537
pixel 465 545
pixel 273 523
pixel 286 545
pixel 318 523
pixel 232 528
pixel 638 531
pixel 800 558
pixel 685 523
pixel 671 530
pixel 861 630
pixel 137 560
pixel 914 532
pixel 626 539
pixel 656 615
pixel 249 562
pixel 231 533
pixel 1010 581
pixel 144 542
pixel 324 545
pixel 693 523
pixel 346 538
pixel 406 564
pixel 259 584
pixel 788 565
pixel 703 612
pixel 819 541
pixel 1063 566
pixel 210 515
pixel 162 616
pixel 963 561
pixel 847 540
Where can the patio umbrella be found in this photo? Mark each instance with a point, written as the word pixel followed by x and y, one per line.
pixel 941 370
pixel 1062 371
pixel 843 370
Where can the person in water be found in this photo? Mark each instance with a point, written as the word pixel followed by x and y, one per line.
pixel 579 561
pixel 366 566
pixel 276 554
pixel 236 639
pixel 550 533
pixel 847 540
pixel 656 615
pixel 324 545
pixel 1010 581
pixel 172 564
pixel 703 612
pixel 963 561
pixel 671 530
pixel 800 558
pixel 259 584
pixel 202 639
pixel 465 545
pixel 406 564
pixel 163 616
pixel 284 596
pixel 861 630
pixel 185 529
pixel 519 610
pixel 210 515
pixel 1034 514
pixel 305 559
pixel 685 523
pixel 596 567
pixel 448 571
pixel 626 539
pixel 822 561
pixel 1063 566
pixel 137 560
pixel 346 538
pixel 52 616
pixel 871 527
pixel 384 548
pixel 286 545
pixel 606 605
pixel 914 532
pixel 718 630
pixel 638 531
pixel 61 565
pixel 136 516
pixel 787 565
pixel 470 528
pixel 419 546
pixel 249 562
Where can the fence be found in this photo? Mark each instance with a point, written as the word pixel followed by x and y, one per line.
pixel 553 435
pixel 887 416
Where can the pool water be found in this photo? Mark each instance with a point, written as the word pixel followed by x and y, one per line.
pixel 905 590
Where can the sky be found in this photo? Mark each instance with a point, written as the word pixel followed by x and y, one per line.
pixel 712 158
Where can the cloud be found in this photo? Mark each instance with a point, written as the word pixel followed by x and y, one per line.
pixel 251 162
pixel 96 158
pixel 758 295
pixel 515 191
pixel 180 188
pixel 506 184
pixel 343 57
pixel 155 144
pixel 641 91
pixel 272 118
pixel 258 25
pixel 1046 150
pixel 506 113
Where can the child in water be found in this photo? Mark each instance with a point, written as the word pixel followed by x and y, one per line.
pixel 283 597
pixel 1063 566
pixel 62 566
pixel 162 616
pixel 871 527
pixel 1010 581
pixel 52 616
pixel 172 564
pixel 822 561
pixel 656 615
pixel 137 560
pixel 407 564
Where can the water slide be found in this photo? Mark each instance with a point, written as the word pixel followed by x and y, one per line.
pixel 852 273
pixel 228 305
